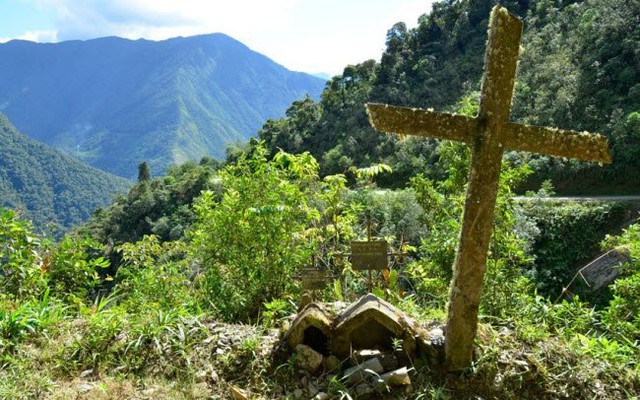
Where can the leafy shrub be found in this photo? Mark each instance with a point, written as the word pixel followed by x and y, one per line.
pixel 395 213
pixel 154 275
pixel 250 241
pixel 622 316
pixel 21 261
pixel 74 268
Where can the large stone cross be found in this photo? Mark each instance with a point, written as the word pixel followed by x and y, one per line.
pixel 488 134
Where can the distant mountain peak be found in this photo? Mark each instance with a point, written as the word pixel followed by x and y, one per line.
pixel 115 102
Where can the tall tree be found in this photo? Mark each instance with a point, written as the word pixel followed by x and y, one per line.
pixel 144 174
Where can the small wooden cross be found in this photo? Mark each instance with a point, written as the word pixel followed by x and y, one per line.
pixel 488 134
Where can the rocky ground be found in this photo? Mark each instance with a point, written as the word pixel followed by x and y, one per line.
pixel 252 362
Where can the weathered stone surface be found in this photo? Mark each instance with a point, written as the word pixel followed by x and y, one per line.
pixel 365 354
pixel 312 389
pixel 371 323
pixel 368 324
pixel 331 363
pixel 363 389
pixel 237 393
pixel 312 327
pixel 431 345
pixel 364 333
pixel 86 373
pixel 305 300
pixel 602 271
pixel 362 371
pixel 399 377
pixel 307 358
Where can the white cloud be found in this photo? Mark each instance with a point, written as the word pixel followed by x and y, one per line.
pixel 306 35
pixel 158 19
pixel 45 36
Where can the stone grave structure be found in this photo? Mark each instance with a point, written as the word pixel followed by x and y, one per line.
pixel 488 134
pixel 370 343
pixel 600 272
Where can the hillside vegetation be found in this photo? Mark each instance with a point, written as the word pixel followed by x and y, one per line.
pixel 579 69
pixel 187 314
pixel 183 287
pixel 114 103
pixel 50 187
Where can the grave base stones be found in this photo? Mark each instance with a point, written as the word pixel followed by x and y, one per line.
pixel 369 335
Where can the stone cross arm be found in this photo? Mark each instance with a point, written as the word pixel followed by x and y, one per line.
pixel 534 139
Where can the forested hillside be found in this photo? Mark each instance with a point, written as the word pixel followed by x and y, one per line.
pixel 188 285
pixel 579 69
pixel 114 103
pixel 49 186
pixel 191 312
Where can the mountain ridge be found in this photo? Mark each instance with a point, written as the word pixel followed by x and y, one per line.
pixel 162 101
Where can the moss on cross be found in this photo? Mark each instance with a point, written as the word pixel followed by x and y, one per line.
pixel 488 134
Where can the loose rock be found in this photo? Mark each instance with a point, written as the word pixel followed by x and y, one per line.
pixel 363 389
pixel 313 390
pixel 308 359
pixel 360 372
pixel 331 363
pixel 399 377
pixel 237 393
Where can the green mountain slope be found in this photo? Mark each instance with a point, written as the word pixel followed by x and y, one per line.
pixel 579 69
pixel 114 103
pixel 49 186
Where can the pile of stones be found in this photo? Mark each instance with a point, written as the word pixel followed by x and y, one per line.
pixel 368 347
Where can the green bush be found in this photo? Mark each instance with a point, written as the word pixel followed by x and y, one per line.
pixel 250 241
pixel 622 316
pixel 22 267
pixel 569 237
pixel 154 275
pixel 75 268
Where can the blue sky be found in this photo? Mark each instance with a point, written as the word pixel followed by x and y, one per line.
pixel 303 35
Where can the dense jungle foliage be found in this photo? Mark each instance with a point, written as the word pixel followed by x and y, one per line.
pixel 140 300
pixel 52 189
pixel 579 69
pixel 143 306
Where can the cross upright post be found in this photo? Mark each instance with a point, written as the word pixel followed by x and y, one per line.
pixel 488 134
